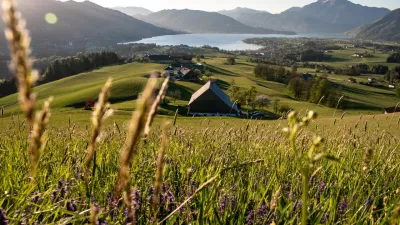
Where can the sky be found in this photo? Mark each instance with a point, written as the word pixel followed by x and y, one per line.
pixel 273 6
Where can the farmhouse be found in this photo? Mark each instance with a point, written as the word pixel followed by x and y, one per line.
pixel 352 80
pixel 210 100
pixel 394 109
pixel 188 74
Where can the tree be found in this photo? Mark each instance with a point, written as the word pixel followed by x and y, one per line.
pixel 198 58
pixel 294 69
pixel 275 105
pixel 250 96
pixel 237 94
pixel 262 101
pixel 176 94
pixel 231 61
pixel 397 91
pixel 198 73
pixel 296 87
pixel 321 88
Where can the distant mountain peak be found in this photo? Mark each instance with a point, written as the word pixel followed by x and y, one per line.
pixel 332 2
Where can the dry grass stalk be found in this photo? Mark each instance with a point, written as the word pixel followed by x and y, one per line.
pixel 21 64
pixel 100 113
pixel 160 169
pixel 176 116
pixel 154 107
pixel 36 141
pixel 136 127
pixel 275 198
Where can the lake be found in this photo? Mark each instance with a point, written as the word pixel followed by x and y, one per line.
pixel 228 42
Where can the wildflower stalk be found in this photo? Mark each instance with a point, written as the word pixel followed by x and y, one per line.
pixel 100 113
pixel 21 64
pixel 295 126
pixel 36 140
pixel 154 107
pixel 159 171
pixel 136 127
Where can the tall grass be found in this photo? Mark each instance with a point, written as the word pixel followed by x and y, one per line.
pixel 212 174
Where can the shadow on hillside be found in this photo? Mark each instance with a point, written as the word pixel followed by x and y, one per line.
pixel 186 93
pixel 214 69
pixel 335 59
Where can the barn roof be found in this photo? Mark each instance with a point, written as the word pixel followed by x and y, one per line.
pixel 210 85
pixel 394 109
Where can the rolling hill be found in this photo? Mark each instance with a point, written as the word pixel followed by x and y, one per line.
pixel 385 29
pixel 195 21
pixel 133 11
pixel 323 16
pixel 80 24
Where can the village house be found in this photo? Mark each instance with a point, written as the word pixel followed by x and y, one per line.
pixel 210 100
pixel 170 70
pixel 371 79
pixel 352 80
pixel 188 74
pixel 390 110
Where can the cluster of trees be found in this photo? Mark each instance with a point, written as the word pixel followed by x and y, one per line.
pixel 393 76
pixel 272 73
pixel 69 66
pixel 312 55
pixel 242 96
pixel 315 91
pixel 394 58
pixel 358 69
pixel 63 67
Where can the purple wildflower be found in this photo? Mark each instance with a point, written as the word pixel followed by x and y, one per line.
pixel 233 203
pixel 342 207
pixel 250 218
pixel 136 199
pixel 320 188
pixel 170 201
pixel 262 212
pixel 35 197
pixel 71 206
pixel 3 217
pixel 222 204
pixel 101 221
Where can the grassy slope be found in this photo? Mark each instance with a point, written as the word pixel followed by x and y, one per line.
pixel 72 92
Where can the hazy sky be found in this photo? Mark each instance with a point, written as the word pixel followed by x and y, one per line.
pixel 274 6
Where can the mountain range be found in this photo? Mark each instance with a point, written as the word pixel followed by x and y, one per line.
pixel 134 11
pixel 79 23
pixel 385 29
pixel 196 21
pixel 323 16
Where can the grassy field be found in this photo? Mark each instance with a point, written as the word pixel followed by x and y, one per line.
pixel 342 168
pixel 70 94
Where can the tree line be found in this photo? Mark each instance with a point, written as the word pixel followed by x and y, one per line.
pixel 64 67
pixel 298 87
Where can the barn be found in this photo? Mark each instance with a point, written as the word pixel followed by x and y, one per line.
pixel 210 100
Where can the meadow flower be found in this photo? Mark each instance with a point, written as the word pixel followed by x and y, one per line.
pixel 342 207
pixel 71 206
pixel 3 217
pixel 250 218
pixel 262 212
pixel 222 204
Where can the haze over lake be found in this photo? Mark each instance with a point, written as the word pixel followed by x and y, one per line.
pixel 222 41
